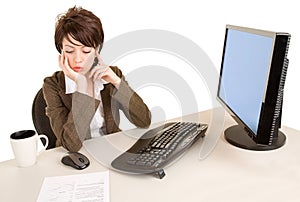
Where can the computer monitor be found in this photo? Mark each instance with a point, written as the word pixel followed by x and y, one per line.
pixel 251 83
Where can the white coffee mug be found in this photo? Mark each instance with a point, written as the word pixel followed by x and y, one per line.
pixel 25 146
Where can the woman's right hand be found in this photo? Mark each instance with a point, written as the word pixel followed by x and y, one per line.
pixel 64 65
pixel 79 79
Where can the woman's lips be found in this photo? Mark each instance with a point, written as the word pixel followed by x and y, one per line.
pixel 77 69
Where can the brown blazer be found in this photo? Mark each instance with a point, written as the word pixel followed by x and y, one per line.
pixel 70 114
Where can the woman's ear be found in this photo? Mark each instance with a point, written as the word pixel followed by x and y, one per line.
pixel 97 50
pixel 96 56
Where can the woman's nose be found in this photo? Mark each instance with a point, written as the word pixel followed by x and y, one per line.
pixel 78 57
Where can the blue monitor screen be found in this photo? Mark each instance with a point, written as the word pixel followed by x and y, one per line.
pixel 245 70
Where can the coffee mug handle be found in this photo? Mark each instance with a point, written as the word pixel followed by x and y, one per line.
pixel 46 144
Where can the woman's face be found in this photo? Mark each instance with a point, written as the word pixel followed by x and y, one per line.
pixel 80 57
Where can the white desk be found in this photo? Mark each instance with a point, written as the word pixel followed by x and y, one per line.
pixel 227 174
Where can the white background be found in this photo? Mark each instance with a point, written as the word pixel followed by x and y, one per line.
pixel 28 53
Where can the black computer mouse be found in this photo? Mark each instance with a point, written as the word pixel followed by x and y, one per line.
pixel 76 160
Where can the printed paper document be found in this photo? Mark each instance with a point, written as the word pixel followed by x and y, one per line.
pixel 76 188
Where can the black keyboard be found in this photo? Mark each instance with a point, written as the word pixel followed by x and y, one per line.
pixel 158 147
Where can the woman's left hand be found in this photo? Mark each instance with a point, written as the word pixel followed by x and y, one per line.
pixel 104 72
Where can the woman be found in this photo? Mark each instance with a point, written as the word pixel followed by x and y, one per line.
pixel 84 99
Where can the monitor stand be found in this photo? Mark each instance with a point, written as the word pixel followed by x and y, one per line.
pixel 237 136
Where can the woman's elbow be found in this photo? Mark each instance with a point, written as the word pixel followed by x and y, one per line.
pixel 145 122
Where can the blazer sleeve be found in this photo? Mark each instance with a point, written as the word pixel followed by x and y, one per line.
pixel 131 103
pixel 69 116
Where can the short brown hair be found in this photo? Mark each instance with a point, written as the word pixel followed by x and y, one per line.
pixel 82 25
